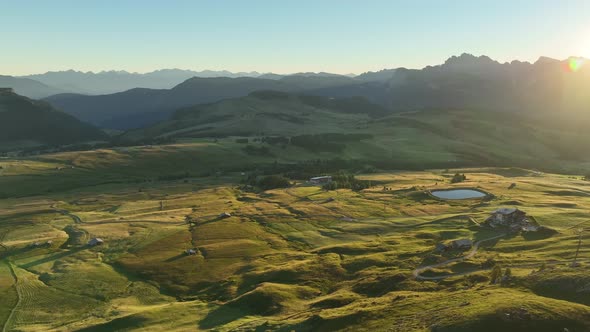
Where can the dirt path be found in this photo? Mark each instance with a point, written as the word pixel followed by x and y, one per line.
pixel 12 312
pixel 416 273
pixel 74 217
pixel 2 235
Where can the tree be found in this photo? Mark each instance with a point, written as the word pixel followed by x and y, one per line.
pixel 458 178
pixel 273 181
pixel 496 274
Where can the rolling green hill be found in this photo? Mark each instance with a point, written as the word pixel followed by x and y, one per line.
pixel 27 122
pixel 141 107
pixel 265 113
pixel 432 138
pixel 288 259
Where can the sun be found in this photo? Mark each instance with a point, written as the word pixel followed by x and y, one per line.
pixel 574 64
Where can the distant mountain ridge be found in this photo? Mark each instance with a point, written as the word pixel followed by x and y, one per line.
pixel 108 82
pixel 141 107
pixel 468 81
pixel 461 82
pixel 32 122
pixel 28 87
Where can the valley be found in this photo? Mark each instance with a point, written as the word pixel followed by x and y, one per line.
pixel 298 258
pixel 295 166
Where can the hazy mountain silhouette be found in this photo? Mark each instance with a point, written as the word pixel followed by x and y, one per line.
pixel 36 122
pixel 462 82
pixel 28 87
pixel 468 81
pixel 107 82
pixel 138 107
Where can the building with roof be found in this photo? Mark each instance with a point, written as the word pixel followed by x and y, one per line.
pixel 95 242
pixel 513 219
pixel 320 180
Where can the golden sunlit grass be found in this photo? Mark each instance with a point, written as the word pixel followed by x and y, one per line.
pixel 294 259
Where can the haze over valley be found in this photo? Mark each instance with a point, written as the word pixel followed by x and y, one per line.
pixel 385 166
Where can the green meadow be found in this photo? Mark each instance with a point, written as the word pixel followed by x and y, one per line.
pixel 290 259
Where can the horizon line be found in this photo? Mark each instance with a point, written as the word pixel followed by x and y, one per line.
pixel 260 73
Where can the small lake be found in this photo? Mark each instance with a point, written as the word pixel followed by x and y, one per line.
pixel 458 194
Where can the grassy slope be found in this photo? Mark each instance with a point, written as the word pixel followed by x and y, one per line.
pixel 27 122
pixel 286 259
pixel 422 138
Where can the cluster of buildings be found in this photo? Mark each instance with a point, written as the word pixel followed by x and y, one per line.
pixel 513 219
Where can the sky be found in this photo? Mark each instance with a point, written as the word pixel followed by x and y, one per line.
pixel 282 36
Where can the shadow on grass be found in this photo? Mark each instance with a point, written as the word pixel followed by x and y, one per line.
pixel 175 258
pixel 221 316
pixel 120 324
pixel 539 235
pixel 52 257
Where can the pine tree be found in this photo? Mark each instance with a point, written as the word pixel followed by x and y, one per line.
pixel 495 274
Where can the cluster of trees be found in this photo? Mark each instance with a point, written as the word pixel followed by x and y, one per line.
pixel 257 150
pixel 268 182
pixel 275 140
pixel 326 142
pixel 113 143
pixel 332 142
pixel 173 177
pixel 273 182
pixel 496 275
pixel 346 181
pixel 458 178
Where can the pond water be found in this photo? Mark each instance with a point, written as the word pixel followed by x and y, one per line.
pixel 458 194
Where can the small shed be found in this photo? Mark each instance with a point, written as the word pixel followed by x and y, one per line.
pixel 225 215
pixel 191 252
pixel 95 242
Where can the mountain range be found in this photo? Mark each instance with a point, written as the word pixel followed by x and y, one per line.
pixel 140 107
pixel 107 82
pixel 467 81
pixel 462 82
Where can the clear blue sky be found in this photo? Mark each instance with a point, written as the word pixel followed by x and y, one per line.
pixel 339 36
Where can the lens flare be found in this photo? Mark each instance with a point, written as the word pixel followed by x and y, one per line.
pixel 575 64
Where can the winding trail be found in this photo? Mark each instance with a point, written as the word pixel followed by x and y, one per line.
pixel 417 272
pixel 18 296
pixel 2 235
pixel 74 217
